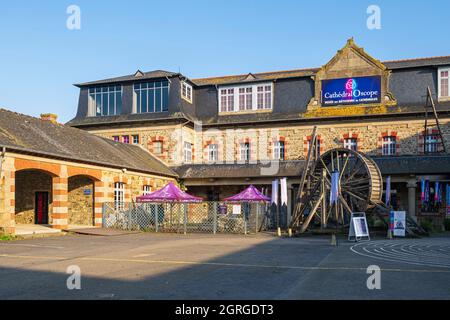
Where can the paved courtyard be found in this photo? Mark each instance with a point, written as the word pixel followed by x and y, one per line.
pixel 167 266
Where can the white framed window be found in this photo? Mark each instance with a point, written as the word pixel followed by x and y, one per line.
pixel 246 97
pixel 278 150
pixel 443 83
pixel 244 151
pixel 119 195
pixel 264 97
pixel 105 101
pixel 351 143
pixel 187 152
pixel 213 152
pixel 389 146
pixel 431 143
pixel 227 100
pixel 157 147
pixel 146 190
pixel 186 91
pixel 135 138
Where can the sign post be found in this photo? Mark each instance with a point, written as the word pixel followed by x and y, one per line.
pixel 358 227
pixel 398 223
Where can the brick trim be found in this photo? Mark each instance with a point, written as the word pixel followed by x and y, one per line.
pixel 307 141
pixel 384 134
pixel 271 143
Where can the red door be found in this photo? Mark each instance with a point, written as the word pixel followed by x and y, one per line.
pixel 41 208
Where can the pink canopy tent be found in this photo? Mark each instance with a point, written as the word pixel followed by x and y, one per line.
pixel 251 194
pixel 169 193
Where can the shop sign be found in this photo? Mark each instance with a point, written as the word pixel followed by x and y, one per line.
pixel 348 91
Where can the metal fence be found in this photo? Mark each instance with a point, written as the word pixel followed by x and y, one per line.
pixel 202 217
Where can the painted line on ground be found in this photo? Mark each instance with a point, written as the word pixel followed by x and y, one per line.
pixel 419 252
pixel 221 264
pixel 29 245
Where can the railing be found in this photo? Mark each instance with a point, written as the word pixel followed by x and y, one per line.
pixel 196 217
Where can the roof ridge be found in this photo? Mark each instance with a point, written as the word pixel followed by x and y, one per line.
pixel 256 73
pixel 309 69
pixel 415 59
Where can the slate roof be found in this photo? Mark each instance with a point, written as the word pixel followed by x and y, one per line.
pixel 418 62
pixel 132 77
pixel 275 75
pixel 432 164
pixel 124 118
pixel 22 133
pixel 286 169
pixel 263 76
pixel 424 164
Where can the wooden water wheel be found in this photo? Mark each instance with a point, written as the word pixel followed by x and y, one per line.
pixel 361 184
pixel 360 188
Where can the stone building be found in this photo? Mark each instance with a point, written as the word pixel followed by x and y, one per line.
pixel 221 134
pixel 57 175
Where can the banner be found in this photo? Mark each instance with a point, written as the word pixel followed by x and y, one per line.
pixel 388 191
pixel 447 199
pixel 283 186
pixel 275 192
pixel 437 192
pixel 334 192
pixel 422 190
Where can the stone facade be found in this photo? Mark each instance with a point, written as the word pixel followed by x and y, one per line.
pixel 369 134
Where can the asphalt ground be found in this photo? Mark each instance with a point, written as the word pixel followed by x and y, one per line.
pixel 197 266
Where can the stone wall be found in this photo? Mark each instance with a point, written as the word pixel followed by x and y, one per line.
pixel 369 135
pixel 81 201
pixel 149 136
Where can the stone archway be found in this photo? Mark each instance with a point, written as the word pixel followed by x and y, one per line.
pixel 81 200
pixel 33 196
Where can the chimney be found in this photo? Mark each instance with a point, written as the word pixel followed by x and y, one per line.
pixel 49 117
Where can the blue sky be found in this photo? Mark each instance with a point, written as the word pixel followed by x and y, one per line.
pixel 40 58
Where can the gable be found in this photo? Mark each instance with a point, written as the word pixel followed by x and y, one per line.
pixel 351 79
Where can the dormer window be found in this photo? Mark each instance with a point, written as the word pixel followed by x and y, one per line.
pixel 443 83
pixel 105 101
pixel 245 98
pixel 186 91
pixel 151 97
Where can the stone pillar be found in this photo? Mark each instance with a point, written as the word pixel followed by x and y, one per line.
pixel 7 197
pixel 99 199
pixel 412 205
pixel 60 203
